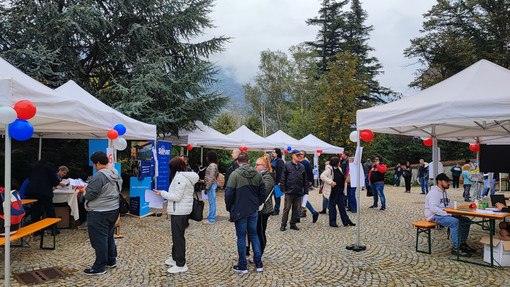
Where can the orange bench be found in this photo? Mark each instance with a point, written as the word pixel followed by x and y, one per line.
pixel 34 227
pixel 424 227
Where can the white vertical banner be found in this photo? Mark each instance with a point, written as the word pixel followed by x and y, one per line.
pixel 109 153
pixel 316 165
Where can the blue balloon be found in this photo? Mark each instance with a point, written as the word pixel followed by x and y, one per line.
pixel 289 148
pixel 21 130
pixel 120 128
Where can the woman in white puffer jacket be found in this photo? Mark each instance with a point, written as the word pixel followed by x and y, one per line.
pixel 180 204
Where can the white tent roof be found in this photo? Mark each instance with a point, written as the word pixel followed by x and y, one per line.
pixel 250 139
pixel 103 117
pixel 58 115
pixel 282 140
pixel 473 103
pixel 204 136
pixel 320 144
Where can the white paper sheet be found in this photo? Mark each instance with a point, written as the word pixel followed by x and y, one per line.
pixel 305 199
pixel 204 196
pixel 154 200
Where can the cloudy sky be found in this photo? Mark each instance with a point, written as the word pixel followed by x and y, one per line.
pixel 258 25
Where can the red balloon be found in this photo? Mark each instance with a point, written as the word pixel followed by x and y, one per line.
pixel 286 151
pixel 340 154
pixel 319 151
pixel 189 147
pixel 474 147
pixel 428 142
pixel 113 134
pixel 366 135
pixel 25 109
pixel 245 148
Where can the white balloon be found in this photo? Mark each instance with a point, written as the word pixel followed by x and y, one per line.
pixel 7 115
pixel 119 143
pixel 354 136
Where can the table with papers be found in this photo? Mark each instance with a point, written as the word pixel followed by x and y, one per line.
pixel 69 196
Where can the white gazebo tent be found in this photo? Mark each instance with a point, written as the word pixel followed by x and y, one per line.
pixel 283 140
pixel 472 105
pixel 320 144
pixel 203 136
pixel 250 139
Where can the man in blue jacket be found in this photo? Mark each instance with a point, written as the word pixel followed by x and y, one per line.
pixel 244 193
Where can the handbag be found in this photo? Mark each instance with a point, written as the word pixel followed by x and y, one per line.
pixel 369 191
pixel 197 213
pixel 267 198
pixel 123 204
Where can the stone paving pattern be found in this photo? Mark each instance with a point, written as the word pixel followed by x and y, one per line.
pixel 312 256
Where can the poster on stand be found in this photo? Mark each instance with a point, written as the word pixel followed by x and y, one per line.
pixel 163 158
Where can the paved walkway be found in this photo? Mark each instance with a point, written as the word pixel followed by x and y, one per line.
pixel 313 256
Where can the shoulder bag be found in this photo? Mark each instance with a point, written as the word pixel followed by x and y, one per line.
pixel 197 213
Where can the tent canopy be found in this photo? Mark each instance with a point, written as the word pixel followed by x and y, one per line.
pixel 58 115
pixel 103 117
pixel 282 140
pixel 203 136
pixel 320 144
pixel 473 103
pixel 250 139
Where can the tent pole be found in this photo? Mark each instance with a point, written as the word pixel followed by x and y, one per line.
pixel 435 157
pixel 182 151
pixel 357 247
pixel 202 156
pixel 40 146
pixel 7 207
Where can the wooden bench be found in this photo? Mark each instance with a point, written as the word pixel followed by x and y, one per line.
pixel 424 227
pixel 34 227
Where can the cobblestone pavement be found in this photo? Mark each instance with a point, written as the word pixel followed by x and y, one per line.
pixel 312 256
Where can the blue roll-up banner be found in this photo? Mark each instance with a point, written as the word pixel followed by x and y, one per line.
pixel 97 145
pixel 163 170
pixel 137 189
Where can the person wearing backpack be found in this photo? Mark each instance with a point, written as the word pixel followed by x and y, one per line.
pixel 102 205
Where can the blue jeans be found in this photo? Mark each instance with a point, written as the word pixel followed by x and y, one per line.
pixel 100 226
pixel 211 194
pixel 397 180
pixel 243 225
pixel 325 203
pixel 277 202
pixel 486 187
pixel 453 223
pixel 424 182
pixel 351 199
pixel 378 191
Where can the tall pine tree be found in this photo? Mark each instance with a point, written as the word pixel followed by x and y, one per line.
pixel 139 56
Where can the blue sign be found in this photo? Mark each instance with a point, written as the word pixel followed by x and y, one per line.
pixel 137 188
pixel 163 169
pixel 97 145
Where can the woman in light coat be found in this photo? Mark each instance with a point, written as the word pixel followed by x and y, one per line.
pixel 180 204
pixel 211 173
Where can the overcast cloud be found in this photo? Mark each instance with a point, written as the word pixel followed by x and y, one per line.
pixel 258 25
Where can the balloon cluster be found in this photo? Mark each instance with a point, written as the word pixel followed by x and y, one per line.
pixel 428 142
pixel 474 147
pixel 115 135
pixel 243 148
pixel 19 128
pixel 365 135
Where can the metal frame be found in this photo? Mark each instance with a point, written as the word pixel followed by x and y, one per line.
pixel 426 230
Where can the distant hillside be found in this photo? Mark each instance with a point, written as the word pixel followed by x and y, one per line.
pixel 231 89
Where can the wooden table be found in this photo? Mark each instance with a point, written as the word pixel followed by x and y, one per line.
pixel 490 217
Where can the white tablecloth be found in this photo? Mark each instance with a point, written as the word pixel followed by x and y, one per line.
pixel 70 197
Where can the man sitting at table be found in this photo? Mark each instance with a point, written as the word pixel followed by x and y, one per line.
pixel 504 227
pixel 62 171
pixel 435 203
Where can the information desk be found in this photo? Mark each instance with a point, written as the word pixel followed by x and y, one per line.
pixel 69 196
pixel 484 216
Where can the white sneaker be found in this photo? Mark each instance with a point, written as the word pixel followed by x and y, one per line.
pixel 170 261
pixel 177 269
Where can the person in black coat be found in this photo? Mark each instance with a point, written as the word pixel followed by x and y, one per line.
pixel 337 196
pixel 277 164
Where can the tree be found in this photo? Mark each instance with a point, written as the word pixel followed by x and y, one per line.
pixel 139 56
pixel 225 123
pixel 269 95
pixel 457 34
pixel 339 98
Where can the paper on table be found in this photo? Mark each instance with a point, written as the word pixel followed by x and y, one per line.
pixel 77 182
pixel 154 200
pixel 204 196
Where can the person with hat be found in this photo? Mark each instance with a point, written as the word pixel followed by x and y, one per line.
pixel 435 202
pixel 292 183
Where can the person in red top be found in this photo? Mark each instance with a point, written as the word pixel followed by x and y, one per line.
pixel 376 178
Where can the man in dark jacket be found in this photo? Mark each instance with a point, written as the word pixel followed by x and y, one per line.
pixel 244 193
pixel 233 166
pixel 292 183
pixel 309 175
pixel 278 164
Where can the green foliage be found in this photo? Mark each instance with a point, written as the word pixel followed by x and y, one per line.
pixel 458 33
pixel 254 124
pixel 224 123
pixel 139 56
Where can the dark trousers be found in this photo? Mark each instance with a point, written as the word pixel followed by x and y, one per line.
pixel 178 223
pixel 455 181
pixel 407 179
pixel 337 199
pixel 261 233
pixel 43 204
pixel 291 201
pixel 277 202
pixel 100 225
